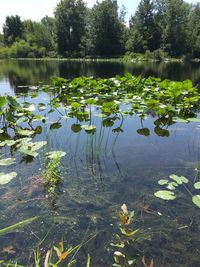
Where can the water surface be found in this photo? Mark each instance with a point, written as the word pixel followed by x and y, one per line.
pixel 101 172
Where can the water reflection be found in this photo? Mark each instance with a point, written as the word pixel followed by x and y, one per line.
pixel 18 73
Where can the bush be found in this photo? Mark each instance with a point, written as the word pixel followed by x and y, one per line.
pixel 4 52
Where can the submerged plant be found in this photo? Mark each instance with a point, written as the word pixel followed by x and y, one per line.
pixel 52 174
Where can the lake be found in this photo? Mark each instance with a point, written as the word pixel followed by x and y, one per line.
pixel 116 164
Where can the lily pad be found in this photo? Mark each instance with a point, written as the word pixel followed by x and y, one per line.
pixel 197 185
pixel 163 182
pixel 31 148
pixel 25 132
pixel 165 194
pixel 6 177
pixel 55 154
pixel 179 179
pixel 6 162
pixel 196 200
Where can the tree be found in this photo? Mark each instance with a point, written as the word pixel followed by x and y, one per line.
pixel 144 32
pixel 194 31
pixel 175 33
pixel 12 29
pixel 106 29
pixel 70 26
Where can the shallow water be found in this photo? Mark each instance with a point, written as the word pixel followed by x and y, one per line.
pixel 101 172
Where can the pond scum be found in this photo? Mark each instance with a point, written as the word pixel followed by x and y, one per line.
pixel 83 99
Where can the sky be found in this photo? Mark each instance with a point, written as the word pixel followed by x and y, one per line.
pixel 37 9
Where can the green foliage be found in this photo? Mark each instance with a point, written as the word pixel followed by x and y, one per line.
pixel 12 29
pixel 70 26
pixel 106 29
pixel 143 29
pixel 172 184
pixel 175 36
pixel 52 173
pixel 194 31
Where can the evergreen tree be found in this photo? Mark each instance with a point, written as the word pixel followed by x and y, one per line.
pixel 12 29
pixel 106 29
pixel 144 32
pixel 70 26
pixel 194 31
pixel 175 32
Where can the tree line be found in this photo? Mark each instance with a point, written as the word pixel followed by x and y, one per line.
pixel 158 27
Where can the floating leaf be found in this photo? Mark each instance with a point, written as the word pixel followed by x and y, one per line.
pixel 55 154
pixel 31 148
pixel 179 179
pixel 7 177
pixel 163 182
pixel 144 131
pixel 89 128
pixel 76 128
pixel 25 132
pixel 55 125
pixel 6 162
pixel 197 185
pixel 177 119
pixel 165 194
pixel 193 120
pixel 171 186
pixel 196 200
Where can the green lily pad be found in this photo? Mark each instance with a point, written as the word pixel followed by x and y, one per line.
pixel 163 182
pixel 165 194
pixel 177 119
pixel 6 162
pixel 179 179
pixel 197 185
pixel 6 177
pixel 196 200
pixel 55 154
pixel 88 127
pixel 31 148
pixel 193 120
pixel 25 132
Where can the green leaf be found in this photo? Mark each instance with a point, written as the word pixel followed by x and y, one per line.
pixel 196 200
pixel 163 182
pixel 30 148
pixel 55 154
pixel 25 132
pixel 5 178
pixel 165 194
pixel 193 120
pixel 88 261
pixel 3 101
pixel 144 131
pixel 177 119
pixel 17 225
pixel 197 185
pixel 6 162
pixel 179 179
pixel 55 125
pixel 124 232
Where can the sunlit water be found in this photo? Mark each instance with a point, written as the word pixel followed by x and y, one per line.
pixel 101 172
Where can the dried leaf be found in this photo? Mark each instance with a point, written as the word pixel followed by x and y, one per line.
pixel 9 250
pixel 124 209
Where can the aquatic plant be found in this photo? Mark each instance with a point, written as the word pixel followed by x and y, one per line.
pixel 172 184
pixel 52 174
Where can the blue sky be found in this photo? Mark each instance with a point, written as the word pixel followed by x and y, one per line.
pixel 37 9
